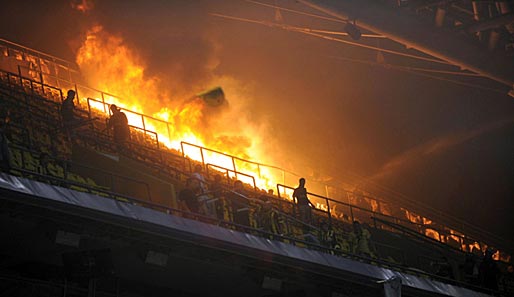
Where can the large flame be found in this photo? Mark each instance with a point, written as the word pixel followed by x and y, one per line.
pixel 111 66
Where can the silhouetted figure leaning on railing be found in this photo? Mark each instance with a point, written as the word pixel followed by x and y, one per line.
pixel 240 205
pixel 68 110
pixel 488 271
pixel 216 189
pixel 120 129
pixel 303 203
pixel 206 206
pixel 70 119
pixel 187 197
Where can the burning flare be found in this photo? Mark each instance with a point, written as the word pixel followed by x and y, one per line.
pixel 111 66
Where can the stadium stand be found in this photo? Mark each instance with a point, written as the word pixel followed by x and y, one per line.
pixel 80 183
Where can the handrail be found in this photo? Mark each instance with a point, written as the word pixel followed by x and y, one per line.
pixel 375 216
pixel 31 81
pixel 351 206
pixel 143 116
pixel 233 158
pixel 66 171
pixel 292 218
pixel 230 170
pixel 417 234
pixel 30 50
pixel 146 132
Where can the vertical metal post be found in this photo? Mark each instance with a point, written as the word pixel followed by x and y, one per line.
pixel 77 94
pixel 234 164
pixel 19 74
pixel 228 177
pixel 89 108
pixel 103 102
pixel 40 73
pixel 351 213
pixel 329 213
pixel 201 153
pixel 169 132
pixel 56 70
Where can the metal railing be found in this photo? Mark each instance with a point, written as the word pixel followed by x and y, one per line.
pixel 66 165
pixel 354 212
pixel 234 159
pixel 227 171
pixel 329 210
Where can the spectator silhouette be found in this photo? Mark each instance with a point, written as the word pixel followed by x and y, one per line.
pixel 488 271
pixel 119 124
pixel 216 189
pixel 470 268
pixel 303 203
pixel 240 206
pixel 206 206
pixel 68 109
pixel 359 240
pixel 187 197
pixel 327 235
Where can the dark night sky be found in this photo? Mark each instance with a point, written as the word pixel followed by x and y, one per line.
pixel 341 118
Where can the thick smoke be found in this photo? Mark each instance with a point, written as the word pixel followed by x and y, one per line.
pixel 343 119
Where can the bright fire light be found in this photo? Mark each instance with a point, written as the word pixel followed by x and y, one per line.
pixel 111 66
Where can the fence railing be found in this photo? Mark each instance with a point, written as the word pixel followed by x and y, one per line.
pixel 227 171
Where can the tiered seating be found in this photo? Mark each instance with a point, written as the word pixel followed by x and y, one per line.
pixel 41 149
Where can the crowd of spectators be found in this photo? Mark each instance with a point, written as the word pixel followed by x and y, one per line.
pixel 202 196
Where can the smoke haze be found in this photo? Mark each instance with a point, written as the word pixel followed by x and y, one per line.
pixel 312 113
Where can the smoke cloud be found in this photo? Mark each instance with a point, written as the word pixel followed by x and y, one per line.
pixel 342 119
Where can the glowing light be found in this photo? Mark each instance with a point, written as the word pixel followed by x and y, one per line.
pixel 111 66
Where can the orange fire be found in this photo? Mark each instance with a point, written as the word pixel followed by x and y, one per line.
pixel 111 66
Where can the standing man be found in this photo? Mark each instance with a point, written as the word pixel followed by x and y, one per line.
pixel 68 110
pixel 188 198
pixel 304 205
pixel 120 128
pixel 206 207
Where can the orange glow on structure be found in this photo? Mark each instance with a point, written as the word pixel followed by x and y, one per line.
pixel 111 66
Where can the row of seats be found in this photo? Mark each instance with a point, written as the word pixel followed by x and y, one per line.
pixel 141 147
